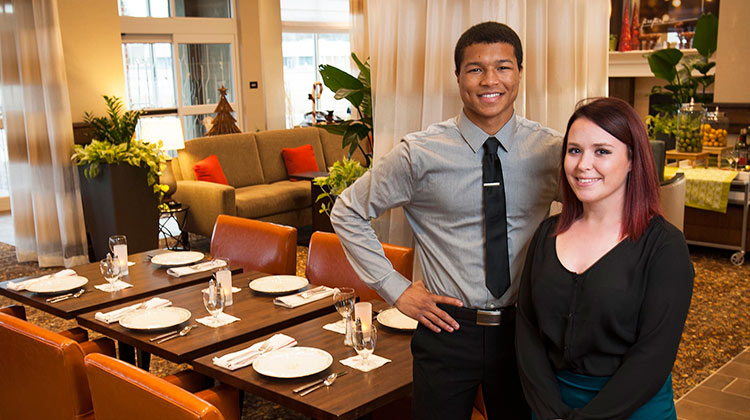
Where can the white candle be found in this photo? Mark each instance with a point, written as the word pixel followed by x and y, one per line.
pixel 363 311
pixel 121 255
pixel 224 277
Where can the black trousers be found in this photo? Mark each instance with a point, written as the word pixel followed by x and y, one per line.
pixel 448 368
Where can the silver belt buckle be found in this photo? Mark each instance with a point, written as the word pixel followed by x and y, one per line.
pixel 489 318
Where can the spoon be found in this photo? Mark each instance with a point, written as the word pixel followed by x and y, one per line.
pixel 73 296
pixel 182 333
pixel 330 379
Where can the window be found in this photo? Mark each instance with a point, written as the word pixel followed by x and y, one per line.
pixel 175 66
pixel 315 32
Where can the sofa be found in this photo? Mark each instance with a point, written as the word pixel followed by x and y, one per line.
pixel 259 185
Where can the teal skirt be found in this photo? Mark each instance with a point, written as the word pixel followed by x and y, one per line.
pixel 577 390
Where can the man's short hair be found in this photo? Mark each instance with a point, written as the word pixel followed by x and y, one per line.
pixel 488 33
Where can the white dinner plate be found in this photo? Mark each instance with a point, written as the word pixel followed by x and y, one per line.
pixel 177 258
pixel 393 318
pixel 293 362
pixel 155 318
pixel 278 284
pixel 57 284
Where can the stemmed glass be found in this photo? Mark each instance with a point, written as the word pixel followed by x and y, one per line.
pixel 365 338
pixel 213 300
pixel 110 269
pixel 343 301
pixel 732 159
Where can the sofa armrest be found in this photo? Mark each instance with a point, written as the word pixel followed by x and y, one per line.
pixel 76 334
pixel 207 200
pixel 225 398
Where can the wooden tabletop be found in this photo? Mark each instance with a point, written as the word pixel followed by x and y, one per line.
pixel 147 280
pixel 351 396
pixel 258 316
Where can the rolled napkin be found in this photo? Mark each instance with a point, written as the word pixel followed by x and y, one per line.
pixel 117 314
pixel 196 268
pixel 301 298
pixel 22 285
pixel 119 285
pixel 337 327
pixel 246 357
pixel 373 362
pixel 221 320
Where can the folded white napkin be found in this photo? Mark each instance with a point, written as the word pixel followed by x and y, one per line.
pixel 22 285
pixel 119 285
pixel 221 320
pixel 234 289
pixel 301 298
pixel 131 263
pixel 116 315
pixel 337 327
pixel 245 357
pixel 373 362
pixel 196 268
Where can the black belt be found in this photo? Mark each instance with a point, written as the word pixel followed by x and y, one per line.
pixel 485 317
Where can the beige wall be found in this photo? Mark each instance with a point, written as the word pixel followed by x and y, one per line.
pixel 733 53
pixel 90 32
pixel 269 14
pixel 248 36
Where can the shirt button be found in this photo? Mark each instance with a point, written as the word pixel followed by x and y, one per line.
pixel 492 306
pixel 570 315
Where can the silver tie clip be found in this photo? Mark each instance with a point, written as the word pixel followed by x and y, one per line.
pixel 491 184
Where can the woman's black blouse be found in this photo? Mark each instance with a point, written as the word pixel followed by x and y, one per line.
pixel 622 317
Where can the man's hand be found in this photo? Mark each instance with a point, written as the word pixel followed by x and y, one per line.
pixel 418 303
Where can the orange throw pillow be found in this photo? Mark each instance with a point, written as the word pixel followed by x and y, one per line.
pixel 209 169
pixel 299 159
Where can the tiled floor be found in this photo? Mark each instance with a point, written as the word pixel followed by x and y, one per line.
pixel 725 395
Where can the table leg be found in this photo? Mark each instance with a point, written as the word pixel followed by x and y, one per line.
pixel 144 359
pixel 126 352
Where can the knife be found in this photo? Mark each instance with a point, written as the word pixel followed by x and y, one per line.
pixel 319 381
pixel 49 300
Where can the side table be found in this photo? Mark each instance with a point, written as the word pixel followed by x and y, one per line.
pixel 178 216
pixel 321 221
pixel 691 156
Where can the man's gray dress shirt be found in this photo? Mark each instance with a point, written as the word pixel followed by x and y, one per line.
pixel 436 176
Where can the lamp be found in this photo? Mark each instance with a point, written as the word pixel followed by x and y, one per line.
pixel 169 131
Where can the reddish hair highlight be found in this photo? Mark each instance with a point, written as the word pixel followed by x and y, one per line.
pixel 642 202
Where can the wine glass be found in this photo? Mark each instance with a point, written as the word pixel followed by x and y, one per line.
pixel 343 301
pixel 118 245
pixel 365 338
pixel 732 159
pixel 213 300
pixel 110 269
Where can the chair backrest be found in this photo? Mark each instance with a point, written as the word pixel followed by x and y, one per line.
pixel 122 391
pixel 658 150
pixel 327 264
pixel 255 245
pixel 43 375
pixel 673 200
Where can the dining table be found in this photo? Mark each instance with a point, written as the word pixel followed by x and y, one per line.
pixel 257 314
pixel 147 280
pixel 353 395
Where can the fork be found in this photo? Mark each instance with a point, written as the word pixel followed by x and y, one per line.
pixel 312 292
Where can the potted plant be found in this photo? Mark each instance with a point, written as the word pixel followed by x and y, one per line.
pixel 354 132
pixel 687 76
pixel 119 179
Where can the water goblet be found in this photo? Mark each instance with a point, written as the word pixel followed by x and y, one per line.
pixel 110 269
pixel 343 301
pixel 213 300
pixel 365 337
pixel 118 245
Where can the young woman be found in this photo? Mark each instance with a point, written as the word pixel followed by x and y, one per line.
pixel 607 284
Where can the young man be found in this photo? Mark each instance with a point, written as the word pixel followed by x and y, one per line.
pixel 474 189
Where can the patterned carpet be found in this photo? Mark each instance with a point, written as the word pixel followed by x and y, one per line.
pixel 717 327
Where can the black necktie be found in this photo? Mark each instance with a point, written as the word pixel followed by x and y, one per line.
pixel 497 276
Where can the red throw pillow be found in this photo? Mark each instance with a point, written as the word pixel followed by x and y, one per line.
pixel 209 169
pixel 299 159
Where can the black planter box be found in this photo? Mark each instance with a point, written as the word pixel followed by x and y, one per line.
pixel 119 202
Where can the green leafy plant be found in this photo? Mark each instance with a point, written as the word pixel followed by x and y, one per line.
pixel 358 92
pixel 114 144
pixel 661 123
pixel 671 65
pixel 341 174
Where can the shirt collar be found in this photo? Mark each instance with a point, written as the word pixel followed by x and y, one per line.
pixel 475 136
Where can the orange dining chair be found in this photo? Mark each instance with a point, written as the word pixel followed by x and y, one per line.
pixel 43 375
pixel 255 245
pixel 327 264
pixel 122 391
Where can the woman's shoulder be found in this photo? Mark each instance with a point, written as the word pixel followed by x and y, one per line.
pixel 663 231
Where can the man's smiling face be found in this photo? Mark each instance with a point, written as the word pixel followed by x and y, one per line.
pixel 488 82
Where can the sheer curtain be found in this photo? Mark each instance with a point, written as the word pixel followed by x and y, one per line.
pixel 44 190
pixel 411 47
